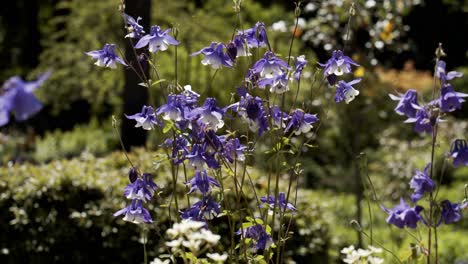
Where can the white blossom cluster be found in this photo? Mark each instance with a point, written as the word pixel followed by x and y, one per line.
pixel 361 256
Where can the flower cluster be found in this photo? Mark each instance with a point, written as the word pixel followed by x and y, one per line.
pixel 16 96
pixel 140 190
pixel 361 255
pixel 338 65
pixel 426 118
pixel 261 240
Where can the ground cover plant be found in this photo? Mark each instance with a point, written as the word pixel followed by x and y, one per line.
pixel 223 178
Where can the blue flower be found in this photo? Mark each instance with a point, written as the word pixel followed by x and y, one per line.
pixel 134 29
pixel 345 91
pixel 278 85
pixel 337 65
pixel 141 189
pixel 251 110
pixel 239 42
pixel 403 215
pixel 459 153
pixel 18 98
pixel 209 115
pixel 199 156
pixel 106 57
pixel 214 56
pixel 408 103
pixel 423 121
pixel 256 36
pixel 281 202
pixel 261 239
pixel 146 118
pixel 279 117
pixel 234 150
pixel 299 63
pixel 269 67
pixel 451 212
pixel 202 182
pixel 205 209
pixel 442 75
pixel 421 183
pixel 172 109
pixel 449 99
pixel 135 213
pixel 157 40
pixel 301 122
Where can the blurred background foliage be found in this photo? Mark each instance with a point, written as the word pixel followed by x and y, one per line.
pixel 61 177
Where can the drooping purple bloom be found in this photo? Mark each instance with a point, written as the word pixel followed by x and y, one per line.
pixel 345 91
pixel 171 110
pixel 260 238
pixel 421 183
pixel 251 110
pixel 278 85
pixel 443 75
pixel 134 29
pixel 269 67
pixel 133 174
pixel 178 147
pixel 279 117
pixel 281 202
pixel 210 115
pixel 337 65
pixel 459 153
pixel 301 122
pixel 215 56
pixel 406 103
pixel 141 189
pixel 423 122
pixel 16 96
pixel 106 57
pixel 240 44
pixel 157 40
pixel 199 156
pixel 451 212
pixel 234 150
pixel 205 209
pixel 449 99
pixel 403 215
pixel 146 118
pixel 299 63
pixel 202 182
pixel 135 213
pixel 256 36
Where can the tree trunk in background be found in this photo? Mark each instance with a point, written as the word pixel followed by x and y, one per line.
pixel 134 95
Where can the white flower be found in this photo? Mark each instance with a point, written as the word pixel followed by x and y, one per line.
pixel 210 237
pixel 347 250
pixel 174 243
pixel 159 261
pixel 352 258
pixel 374 260
pixel 364 253
pixel 375 249
pixel 217 257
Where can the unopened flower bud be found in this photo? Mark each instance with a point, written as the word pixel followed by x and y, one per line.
pixel 132 175
pixel 440 52
pixel 231 50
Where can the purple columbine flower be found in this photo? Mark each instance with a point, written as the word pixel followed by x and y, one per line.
pixel 146 118
pixel 256 36
pixel 449 99
pixel 423 122
pixel 16 96
pixel 178 147
pixel 278 85
pixel 442 75
pixel 459 153
pixel 299 63
pixel 234 150
pixel 172 110
pixel 251 110
pixel 407 103
pixel 281 202
pixel 134 29
pixel 260 238
pixel 301 122
pixel 199 156
pixel 209 115
pixel 205 209
pixel 106 57
pixel 337 65
pixel 241 47
pixel 345 91
pixel 202 182
pixel 269 67
pixel 421 183
pixel 135 213
pixel 215 56
pixel 451 212
pixel 403 215
pixel 141 189
pixel 157 40
pixel 279 117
